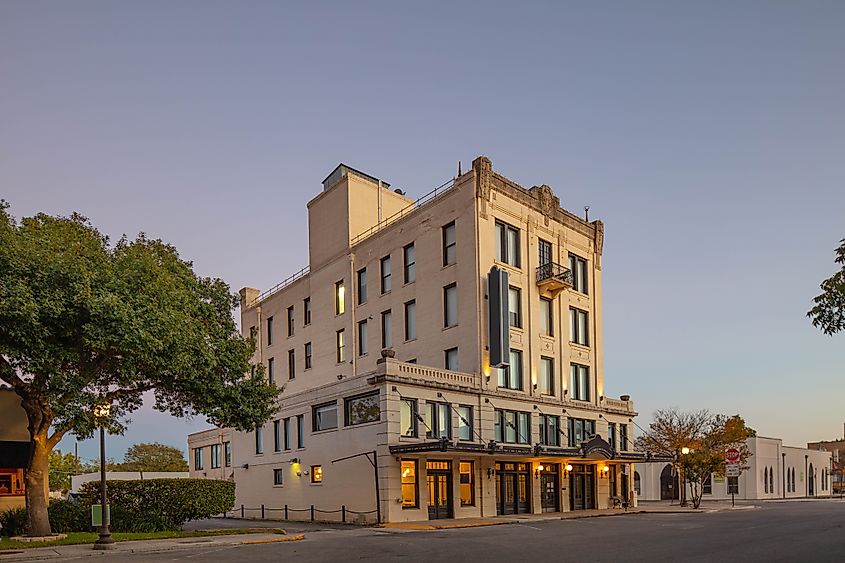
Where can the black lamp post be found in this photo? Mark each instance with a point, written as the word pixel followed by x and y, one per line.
pixel 105 541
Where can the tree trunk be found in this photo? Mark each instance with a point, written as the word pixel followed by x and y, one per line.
pixel 36 485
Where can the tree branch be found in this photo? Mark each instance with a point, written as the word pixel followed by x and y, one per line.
pixel 120 393
pixel 56 438
pixel 8 375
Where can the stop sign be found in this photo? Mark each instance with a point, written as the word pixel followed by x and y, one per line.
pixel 732 455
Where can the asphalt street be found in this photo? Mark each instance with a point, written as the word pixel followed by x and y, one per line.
pixel 789 531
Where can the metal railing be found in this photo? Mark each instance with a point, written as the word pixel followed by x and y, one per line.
pixel 554 271
pixel 286 513
pixel 281 285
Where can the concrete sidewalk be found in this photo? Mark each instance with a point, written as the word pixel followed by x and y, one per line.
pixel 142 546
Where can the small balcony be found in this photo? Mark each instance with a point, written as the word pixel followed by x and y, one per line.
pixel 552 278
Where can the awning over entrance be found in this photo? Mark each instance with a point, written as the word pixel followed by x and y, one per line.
pixel 594 448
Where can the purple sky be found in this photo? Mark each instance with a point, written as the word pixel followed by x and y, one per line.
pixel 708 136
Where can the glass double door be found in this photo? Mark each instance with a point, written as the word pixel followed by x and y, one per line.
pixel 549 487
pixel 513 488
pixel 582 483
pixel 439 480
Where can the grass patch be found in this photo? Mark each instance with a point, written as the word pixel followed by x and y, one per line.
pixel 77 538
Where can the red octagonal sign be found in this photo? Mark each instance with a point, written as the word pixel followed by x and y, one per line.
pixel 732 455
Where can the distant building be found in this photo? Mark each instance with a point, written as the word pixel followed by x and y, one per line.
pixel 210 454
pixel 444 356
pixel 837 448
pixel 773 471
pixel 15 449
pixel 76 481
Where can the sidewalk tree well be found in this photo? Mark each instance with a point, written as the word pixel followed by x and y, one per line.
pixel 705 435
pixel 829 312
pixel 83 322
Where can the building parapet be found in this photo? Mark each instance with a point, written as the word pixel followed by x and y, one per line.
pixel 390 369
pixel 614 405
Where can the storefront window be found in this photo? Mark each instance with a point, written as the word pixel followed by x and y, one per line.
pixel 409 484
pixel 467 483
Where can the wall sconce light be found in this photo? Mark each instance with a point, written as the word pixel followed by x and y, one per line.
pixel 601 397
pixel 565 392
pixel 490 472
pixel 245 466
pixel 535 386
pixel 299 473
pixel 605 469
pixel 293 460
pixel 539 470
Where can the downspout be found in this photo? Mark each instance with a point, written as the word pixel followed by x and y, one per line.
pixel 352 301
pixel 482 380
pixel 783 472
pixel 258 333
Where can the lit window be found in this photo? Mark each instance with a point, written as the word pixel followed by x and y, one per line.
pixel 316 473
pixel 409 484
pixel 467 476
pixel 341 347
pixel 339 298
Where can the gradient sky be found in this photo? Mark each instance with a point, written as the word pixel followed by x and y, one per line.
pixel 709 136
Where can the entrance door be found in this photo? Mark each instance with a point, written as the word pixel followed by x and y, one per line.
pixel 668 484
pixel 439 480
pixel 513 488
pixel 582 482
pixel 549 487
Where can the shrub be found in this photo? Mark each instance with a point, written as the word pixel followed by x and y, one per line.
pixel 13 522
pixel 67 516
pixel 152 505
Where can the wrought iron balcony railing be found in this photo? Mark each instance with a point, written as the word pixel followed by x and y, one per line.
pixel 553 272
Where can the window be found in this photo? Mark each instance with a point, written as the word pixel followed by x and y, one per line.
pixel 198 464
pixel 547 376
pixel 259 440
pixel 515 307
pixel 362 409
pixel 271 369
pixel 450 246
pixel 451 362
pixel 637 483
pixel 363 333
pixel 316 473
pixel 307 355
pixel 227 453
pixel 362 286
pixel 300 430
pixel 611 435
pixel 386 329
pixel 766 480
pixel 411 320
pixel 278 477
pixel 467 478
pixel 287 433
pixel 545 250
pixel 579 273
pixel 408 418
pixel 579 382
pixel 549 430
pixel 409 264
pixel 252 332
pixel 507 244
pixel 450 305
pixel 341 347
pixel 438 421
pixel 339 298
pixel 291 364
pixel 733 485
pixel 546 317
pixel 578 327
pixel 580 430
pixel 325 416
pixel 465 423
pixel 385 274
pixel 277 435
pixel 623 437
pixel 269 331
pixel 409 484
pixel 510 377
pixel 707 486
pixel 306 310
pixel 512 427
pixel 290 321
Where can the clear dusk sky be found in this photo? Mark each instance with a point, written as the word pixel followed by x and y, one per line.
pixel 708 136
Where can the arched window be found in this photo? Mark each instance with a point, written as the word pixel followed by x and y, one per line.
pixel 637 483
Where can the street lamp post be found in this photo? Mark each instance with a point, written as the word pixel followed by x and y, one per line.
pixel 684 451
pixel 105 541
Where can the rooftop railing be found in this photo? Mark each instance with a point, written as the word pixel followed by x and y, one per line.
pixel 281 285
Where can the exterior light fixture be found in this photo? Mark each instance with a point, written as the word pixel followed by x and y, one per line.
pixel 685 450
pixel 568 467
pixel 490 472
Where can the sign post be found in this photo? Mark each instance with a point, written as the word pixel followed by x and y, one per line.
pixel 732 469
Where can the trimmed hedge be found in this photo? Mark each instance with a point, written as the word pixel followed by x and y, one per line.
pixel 69 516
pixel 13 522
pixel 152 505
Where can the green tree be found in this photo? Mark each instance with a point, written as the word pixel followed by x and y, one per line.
pixel 829 312
pixel 153 457
pixel 84 322
pixel 61 468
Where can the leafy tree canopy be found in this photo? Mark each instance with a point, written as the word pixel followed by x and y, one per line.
pixel 153 457
pixel 829 311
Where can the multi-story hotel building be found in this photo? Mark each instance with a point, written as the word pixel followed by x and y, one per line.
pixel 437 359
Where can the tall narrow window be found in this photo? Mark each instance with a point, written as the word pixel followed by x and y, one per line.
pixel 259 440
pixel 290 321
pixel 547 376
pixel 579 273
pixel 277 435
pixel 623 437
pixel 271 375
pixel 611 435
pixel 227 454
pixel 300 431
pixel 510 377
pixel 291 364
pixel 507 244
pixel 409 269
pixel 269 331
pixel 198 464
pixel 386 329
pixel 546 317
pixel 339 298
pixel 578 327
pixel 450 246
pixel 545 248
pixel 362 286
pixel 438 420
pixel 579 382
pixel 340 347
pixel 307 355
pixel 215 456
pixel 549 430
pixel 362 337
pixel 287 433
pixel 278 477
pixel 408 418
pixel 465 423
pixel 452 359
pixel 385 274
pixel 306 310
pixel 515 307
pixel 411 320
pixel 467 478
pixel 409 484
pixel 450 305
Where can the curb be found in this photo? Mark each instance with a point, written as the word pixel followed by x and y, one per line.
pixel 275 540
